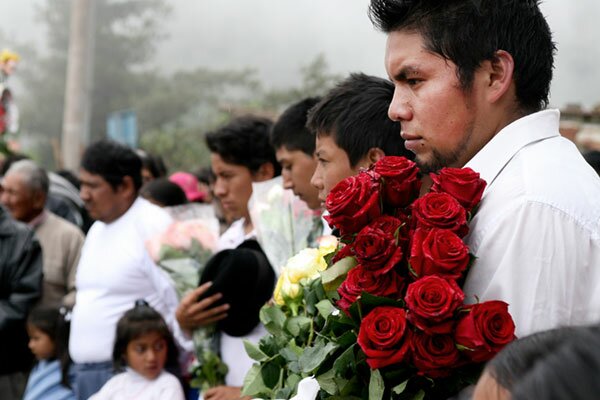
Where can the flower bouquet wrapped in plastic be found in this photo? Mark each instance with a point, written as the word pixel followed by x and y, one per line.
pixel 182 252
pixel 282 221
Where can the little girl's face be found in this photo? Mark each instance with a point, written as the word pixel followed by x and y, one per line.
pixel 147 354
pixel 40 344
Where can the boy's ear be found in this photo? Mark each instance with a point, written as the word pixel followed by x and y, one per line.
pixel 375 154
pixel 265 172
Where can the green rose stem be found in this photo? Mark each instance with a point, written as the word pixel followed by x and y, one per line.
pixel 311 333
pixel 294 308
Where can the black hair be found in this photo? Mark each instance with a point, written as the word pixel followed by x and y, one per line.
pixel 205 175
pixel 554 364
pixel 136 322
pixel 468 32
pixel 290 130
pixel 244 141
pixel 593 158
pixel 113 161
pixel 354 114
pixel 165 192
pixel 567 372
pixel 153 163
pixel 55 322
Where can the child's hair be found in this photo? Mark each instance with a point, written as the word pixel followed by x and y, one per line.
pixel 138 321
pixel 55 323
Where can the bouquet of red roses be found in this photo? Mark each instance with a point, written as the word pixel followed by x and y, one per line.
pixel 388 318
pixel 398 281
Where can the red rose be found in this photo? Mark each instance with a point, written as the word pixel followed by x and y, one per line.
pixel 485 329
pixel 431 303
pixel 398 226
pixel 342 253
pixel 440 210
pixel 463 184
pixel 434 355
pixel 384 336
pixel 438 251
pixel 400 181
pixel 360 279
pixel 376 250
pixel 352 203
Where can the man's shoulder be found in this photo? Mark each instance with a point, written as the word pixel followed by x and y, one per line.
pixel 59 225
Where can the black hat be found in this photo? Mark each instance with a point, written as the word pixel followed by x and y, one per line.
pixel 246 280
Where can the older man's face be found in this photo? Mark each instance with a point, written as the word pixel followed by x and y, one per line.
pixel 23 203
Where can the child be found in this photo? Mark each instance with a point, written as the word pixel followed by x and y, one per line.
pixel 48 331
pixel 143 344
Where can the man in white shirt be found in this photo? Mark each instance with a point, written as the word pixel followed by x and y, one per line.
pixel 115 268
pixel 471 80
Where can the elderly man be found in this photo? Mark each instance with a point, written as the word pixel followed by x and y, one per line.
pixel 115 268
pixel 25 193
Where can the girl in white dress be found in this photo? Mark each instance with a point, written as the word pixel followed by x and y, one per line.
pixel 143 345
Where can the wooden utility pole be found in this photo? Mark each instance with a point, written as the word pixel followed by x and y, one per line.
pixel 78 91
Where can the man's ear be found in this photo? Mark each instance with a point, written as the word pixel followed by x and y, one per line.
pixel 127 187
pixel 39 200
pixel 265 172
pixel 375 154
pixel 499 75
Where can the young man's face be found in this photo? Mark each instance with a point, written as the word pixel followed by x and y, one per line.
pixel 333 165
pixel 297 168
pixel 439 119
pixel 233 186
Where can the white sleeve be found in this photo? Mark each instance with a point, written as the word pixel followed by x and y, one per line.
pixel 544 264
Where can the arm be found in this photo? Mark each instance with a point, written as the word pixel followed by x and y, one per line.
pixel 72 260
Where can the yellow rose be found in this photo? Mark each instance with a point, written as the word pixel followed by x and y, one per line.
pixel 327 244
pixel 305 265
pixel 285 290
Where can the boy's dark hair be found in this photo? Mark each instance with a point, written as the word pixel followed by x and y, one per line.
pixel 593 158
pixel 290 130
pixel 354 114
pixel 55 322
pixel 136 322
pixel 468 32
pixel 113 161
pixel 165 192
pixel 244 141
pixel 153 163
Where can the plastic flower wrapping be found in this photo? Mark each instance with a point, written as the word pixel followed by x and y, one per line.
pixel 182 252
pixel 282 221
pixel 387 318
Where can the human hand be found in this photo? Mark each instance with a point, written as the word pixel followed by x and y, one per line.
pixel 192 313
pixel 224 393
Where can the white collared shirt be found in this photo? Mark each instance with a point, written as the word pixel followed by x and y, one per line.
pixel 536 234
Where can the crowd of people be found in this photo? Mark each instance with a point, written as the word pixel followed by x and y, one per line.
pixel 86 313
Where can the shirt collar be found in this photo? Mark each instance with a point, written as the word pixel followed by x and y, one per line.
pixel 494 156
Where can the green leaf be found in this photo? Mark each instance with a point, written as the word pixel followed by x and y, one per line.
pixel 273 319
pixel 295 325
pixel 270 374
pixel 314 356
pixel 327 382
pixel 254 352
pixel 376 385
pixel 253 382
pixel 419 396
pixel 292 381
pixel 325 308
pixel 283 393
pixel 333 277
pixel 398 389
pixel 345 362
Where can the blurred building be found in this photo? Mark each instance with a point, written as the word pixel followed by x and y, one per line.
pixel 581 126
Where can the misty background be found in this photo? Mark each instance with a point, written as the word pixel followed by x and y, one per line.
pixel 185 66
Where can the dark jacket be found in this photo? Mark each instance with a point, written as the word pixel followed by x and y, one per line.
pixel 20 288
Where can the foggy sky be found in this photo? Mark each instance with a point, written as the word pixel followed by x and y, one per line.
pixel 277 37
